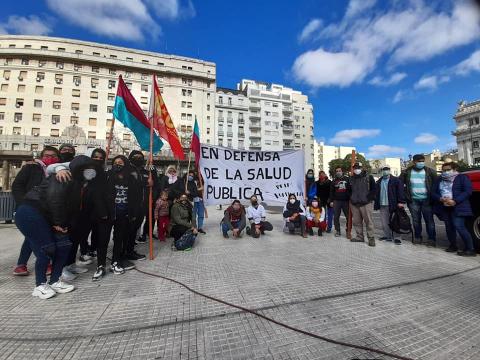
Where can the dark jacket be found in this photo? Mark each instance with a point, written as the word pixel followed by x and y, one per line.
pixel 323 191
pixel 461 190
pixel 396 194
pixel 176 189
pixel 228 221
pixel 340 189
pixel 363 189
pixel 430 176
pixel 182 215
pixel 134 195
pixel 29 176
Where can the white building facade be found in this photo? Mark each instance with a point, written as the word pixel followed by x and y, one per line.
pixel 467 132
pixel 55 90
pixel 326 153
pixel 231 110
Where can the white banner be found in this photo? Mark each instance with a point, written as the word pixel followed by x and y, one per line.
pixel 238 174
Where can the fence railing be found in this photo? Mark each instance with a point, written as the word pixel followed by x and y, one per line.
pixel 7 206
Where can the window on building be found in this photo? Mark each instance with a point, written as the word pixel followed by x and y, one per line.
pixel 129 58
pixel 59 65
pixel 75 106
pixel 189 117
pixel 38 89
pixel 78 51
pixel 111 96
pixel 55 132
pixel 184 104
pixel 112 71
pixel 128 74
pixel 183 116
pixel 109 123
pixel 6 74
pixel 74 120
pixel 127 137
pixel 109 109
pixel 37 118
pixel 111 84
pixel 208 107
pixel 144 100
pixel 21 88
pixel 2 116
pixel 34 147
pixel 77 80
pixel 145 61
pixel 96 54
pixel 57 91
pixel 189 104
pixel 93 108
pixel 4 87
pixel 17 130
pixel 144 87
pixel 22 75
pixel 94 83
pixel 37 103
pixel 208 95
pixel 95 69
pixel 17 117
pixel 3 101
pixel 60 49
pixel 93 95
pixel 75 92
pixel 8 61
pixel 77 67
pixel 42 63
pixel 57 104
pixel 92 135
pixel 275 104
pixel 55 119
pixel 129 85
pixel 35 131
pixel 19 103
pixel 475 144
pixel 40 76
pixel 1 130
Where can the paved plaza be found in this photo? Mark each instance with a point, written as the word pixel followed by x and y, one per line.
pixel 411 300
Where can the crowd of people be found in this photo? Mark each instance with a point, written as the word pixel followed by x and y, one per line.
pixel 69 206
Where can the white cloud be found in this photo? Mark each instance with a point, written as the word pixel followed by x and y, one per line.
pixel 401 95
pixel 426 138
pixel 348 136
pixel 356 7
pixel 392 80
pixel 409 31
pixel 471 64
pixel 172 9
pixel 376 151
pixel 430 82
pixel 312 26
pixel 123 19
pixel 29 25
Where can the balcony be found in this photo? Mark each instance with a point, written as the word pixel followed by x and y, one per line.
pixel 220 133
pixel 287 109
pixel 255 115
pixel 287 128
pixel 256 135
pixel 241 134
pixel 241 121
pixel 220 118
pixel 255 146
pixel 229 120
pixel 287 147
pixel 229 133
pixel 254 105
pixel 255 125
pixel 287 118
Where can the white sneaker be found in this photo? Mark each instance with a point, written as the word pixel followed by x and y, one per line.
pixel 75 269
pixel 67 275
pixel 85 260
pixel 62 287
pixel 43 291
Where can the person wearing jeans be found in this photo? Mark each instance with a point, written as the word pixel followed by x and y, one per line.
pixel 339 198
pixel 234 220
pixel 294 214
pixel 451 193
pixel 418 180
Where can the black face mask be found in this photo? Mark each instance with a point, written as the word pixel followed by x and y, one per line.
pixel 254 203
pixel 99 162
pixel 66 157
pixel 117 168
pixel 138 162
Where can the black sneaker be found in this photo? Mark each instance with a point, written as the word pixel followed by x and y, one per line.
pixel 337 234
pixel 127 265
pixel 135 256
pixel 310 231
pixel 320 233
pixel 248 231
pixel 383 238
pixel 116 268
pixel 467 253
pixel 142 240
pixel 397 242
pixel 99 273
pixel 451 249
pixel 201 231
pixel 92 254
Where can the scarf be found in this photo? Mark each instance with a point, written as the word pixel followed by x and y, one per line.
pixel 295 207
pixel 446 184
pixel 42 165
pixel 235 214
pixel 317 212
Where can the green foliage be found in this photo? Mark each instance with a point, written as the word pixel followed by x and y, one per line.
pixel 345 164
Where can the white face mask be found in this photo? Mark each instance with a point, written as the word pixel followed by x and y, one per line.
pixel 292 201
pixel 357 171
pixel 89 174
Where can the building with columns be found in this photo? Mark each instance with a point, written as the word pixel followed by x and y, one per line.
pixel 467 132
pixel 55 90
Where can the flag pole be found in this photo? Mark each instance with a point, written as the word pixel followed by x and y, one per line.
pixel 188 169
pixel 150 193
pixel 109 141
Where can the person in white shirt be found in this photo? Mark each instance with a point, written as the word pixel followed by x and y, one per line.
pixel 256 216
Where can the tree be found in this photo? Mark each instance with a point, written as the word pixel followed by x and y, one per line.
pixel 463 166
pixel 358 158
pixel 336 163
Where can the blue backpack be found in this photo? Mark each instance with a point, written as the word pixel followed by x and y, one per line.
pixel 186 241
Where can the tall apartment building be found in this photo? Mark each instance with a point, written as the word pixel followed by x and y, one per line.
pixel 55 90
pixel 265 117
pixel 467 132
pixel 326 153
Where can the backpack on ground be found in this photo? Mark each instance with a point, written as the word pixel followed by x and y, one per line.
pixel 186 241
pixel 400 222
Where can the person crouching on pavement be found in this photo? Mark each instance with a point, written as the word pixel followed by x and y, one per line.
pixel 294 214
pixel 257 218
pixel 316 217
pixel 234 220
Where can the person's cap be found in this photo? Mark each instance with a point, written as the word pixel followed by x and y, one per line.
pixel 418 157
pixel 385 168
pixel 63 146
pixel 357 165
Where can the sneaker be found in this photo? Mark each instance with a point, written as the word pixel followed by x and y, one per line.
pixel 62 287
pixel 135 256
pixel 43 291
pixel 142 240
pixel 383 238
pixel 188 249
pixel 67 275
pixel 371 242
pixel 21 270
pixel 248 231
pixel 116 269
pixel 75 269
pixel 201 231
pixel 397 242
pixel 337 234
pixel 49 269
pixel 99 273
pixel 85 260
pixel 310 231
pixel 320 233
pixel 467 253
pixel 451 249
pixel 126 264
pixel 92 254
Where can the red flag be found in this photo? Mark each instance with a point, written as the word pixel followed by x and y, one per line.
pixel 162 122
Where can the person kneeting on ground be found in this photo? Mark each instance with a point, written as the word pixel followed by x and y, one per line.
pixel 234 220
pixel 389 197
pixel 363 194
pixel 181 218
pixel 452 192
pixel 294 214
pixel 316 217
pixel 257 218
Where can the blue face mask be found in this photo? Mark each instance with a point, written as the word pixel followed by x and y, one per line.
pixel 420 165
pixel 190 178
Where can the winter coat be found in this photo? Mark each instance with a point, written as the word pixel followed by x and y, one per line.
pixel 430 177
pixel 323 191
pixel 461 189
pixel 134 195
pixel 290 209
pixel 182 215
pixel 363 189
pixel 227 219
pixel 396 194
pixel 340 189
pixel 29 176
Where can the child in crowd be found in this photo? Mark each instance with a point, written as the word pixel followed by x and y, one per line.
pixel 316 217
pixel 162 215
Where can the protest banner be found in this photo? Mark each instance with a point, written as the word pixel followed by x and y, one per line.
pixel 231 174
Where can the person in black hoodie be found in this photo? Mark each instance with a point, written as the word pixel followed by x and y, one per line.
pixel 323 193
pixel 44 218
pixel 339 198
pixel 310 186
pixel 294 214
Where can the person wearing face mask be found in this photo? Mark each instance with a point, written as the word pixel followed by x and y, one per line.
pixel 173 184
pixel 45 217
pixel 389 196
pixel 257 218
pixel 451 193
pixel 339 198
pixel 310 186
pixel 194 192
pixel 323 185
pixel 294 215
pixel 234 220
pixel 29 176
pixel 362 196
pixel 181 218
pixel 67 152
pixel 316 217
pixel 418 180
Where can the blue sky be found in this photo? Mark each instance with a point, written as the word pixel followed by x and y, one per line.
pixel 383 75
